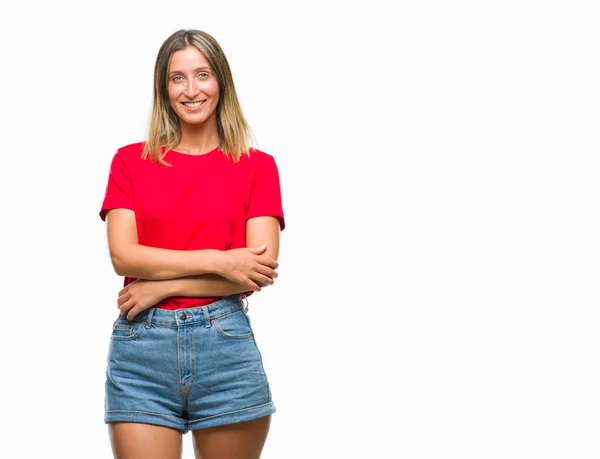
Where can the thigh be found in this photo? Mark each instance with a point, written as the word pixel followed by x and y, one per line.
pixel 131 440
pixel 243 440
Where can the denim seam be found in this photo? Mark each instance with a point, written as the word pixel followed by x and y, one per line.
pixel 230 412
pixel 175 326
pixel 232 337
pixel 226 314
pixel 164 324
pixel 182 389
pixel 190 322
pixel 263 367
pixel 130 337
pixel 146 412
pixel 110 377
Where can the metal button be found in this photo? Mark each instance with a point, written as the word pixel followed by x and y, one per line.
pixel 182 316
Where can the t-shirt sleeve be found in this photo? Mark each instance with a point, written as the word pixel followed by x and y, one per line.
pixel 265 196
pixel 119 188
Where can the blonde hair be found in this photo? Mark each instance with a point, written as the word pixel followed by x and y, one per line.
pixel 165 130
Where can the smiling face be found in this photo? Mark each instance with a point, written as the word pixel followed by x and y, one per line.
pixel 192 87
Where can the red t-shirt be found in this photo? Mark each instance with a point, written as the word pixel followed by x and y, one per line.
pixel 201 202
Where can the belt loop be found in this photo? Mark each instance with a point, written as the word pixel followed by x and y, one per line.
pixel 246 307
pixel 149 318
pixel 206 316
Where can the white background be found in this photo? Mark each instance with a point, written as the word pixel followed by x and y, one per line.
pixel 438 285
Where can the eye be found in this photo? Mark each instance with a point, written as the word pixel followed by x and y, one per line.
pixel 175 78
pixel 204 75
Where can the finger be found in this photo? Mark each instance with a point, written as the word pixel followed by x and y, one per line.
pixel 266 271
pixel 125 307
pixel 264 281
pixel 123 297
pixel 269 262
pixel 252 285
pixel 133 312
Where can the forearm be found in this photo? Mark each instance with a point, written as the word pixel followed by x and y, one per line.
pixel 204 285
pixel 153 263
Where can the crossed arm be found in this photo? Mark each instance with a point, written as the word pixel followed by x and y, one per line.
pixel 196 273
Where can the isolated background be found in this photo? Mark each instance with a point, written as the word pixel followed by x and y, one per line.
pixel 438 287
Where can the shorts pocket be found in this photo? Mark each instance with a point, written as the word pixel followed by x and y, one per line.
pixel 234 325
pixel 124 329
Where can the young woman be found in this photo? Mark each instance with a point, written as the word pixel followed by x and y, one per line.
pixel 193 219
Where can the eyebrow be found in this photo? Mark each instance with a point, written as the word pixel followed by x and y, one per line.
pixel 195 70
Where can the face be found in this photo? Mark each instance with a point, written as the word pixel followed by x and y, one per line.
pixel 192 87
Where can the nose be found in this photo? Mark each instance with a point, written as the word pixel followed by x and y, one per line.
pixel 191 89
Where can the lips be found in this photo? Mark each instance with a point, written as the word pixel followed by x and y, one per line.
pixel 194 104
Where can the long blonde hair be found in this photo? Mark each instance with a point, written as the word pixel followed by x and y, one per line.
pixel 165 129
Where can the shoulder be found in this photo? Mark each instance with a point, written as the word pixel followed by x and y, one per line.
pixel 262 167
pixel 260 154
pixel 129 154
pixel 258 158
pixel 131 150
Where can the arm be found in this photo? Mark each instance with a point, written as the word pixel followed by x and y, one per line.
pixel 142 294
pixel 242 267
pixel 259 230
pixel 129 258
pixel 203 285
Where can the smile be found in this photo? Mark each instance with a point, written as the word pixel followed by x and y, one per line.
pixel 193 104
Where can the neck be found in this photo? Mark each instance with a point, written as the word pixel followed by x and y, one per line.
pixel 198 138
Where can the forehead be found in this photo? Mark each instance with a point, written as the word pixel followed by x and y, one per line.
pixel 187 59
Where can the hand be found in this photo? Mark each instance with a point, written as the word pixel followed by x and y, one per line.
pixel 248 267
pixel 140 295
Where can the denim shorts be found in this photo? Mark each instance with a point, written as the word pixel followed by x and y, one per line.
pixel 187 369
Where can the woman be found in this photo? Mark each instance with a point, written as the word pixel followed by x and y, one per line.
pixel 193 220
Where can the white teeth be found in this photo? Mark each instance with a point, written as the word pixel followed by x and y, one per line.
pixel 193 104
